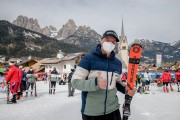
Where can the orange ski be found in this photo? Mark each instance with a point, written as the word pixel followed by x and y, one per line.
pixel 134 59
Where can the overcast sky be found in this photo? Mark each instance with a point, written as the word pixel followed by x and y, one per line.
pixel 152 19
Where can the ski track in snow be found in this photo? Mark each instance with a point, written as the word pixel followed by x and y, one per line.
pixel 153 106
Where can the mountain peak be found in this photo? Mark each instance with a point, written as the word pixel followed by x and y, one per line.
pixel 176 43
pixel 71 24
pixel 67 30
pixel 49 31
pixel 28 23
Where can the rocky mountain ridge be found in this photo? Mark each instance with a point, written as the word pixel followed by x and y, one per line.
pixel 17 41
pixel 170 51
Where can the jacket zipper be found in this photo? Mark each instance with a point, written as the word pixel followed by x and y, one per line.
pixel 106 88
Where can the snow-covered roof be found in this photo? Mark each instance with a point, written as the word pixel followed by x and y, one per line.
pixel 68 57
pixel 25 61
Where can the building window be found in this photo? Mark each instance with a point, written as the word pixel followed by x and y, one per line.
pixel 124 41
pixel 64 66
pixel 123 47
pixel 74 66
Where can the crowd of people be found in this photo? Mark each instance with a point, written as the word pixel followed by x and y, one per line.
pixel 18 82
pixel 143 80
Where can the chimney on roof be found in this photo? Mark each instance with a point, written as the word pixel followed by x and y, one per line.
pixel 60 54
pixel 29 57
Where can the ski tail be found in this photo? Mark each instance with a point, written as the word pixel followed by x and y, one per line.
pixel 35 90
pixel 49 87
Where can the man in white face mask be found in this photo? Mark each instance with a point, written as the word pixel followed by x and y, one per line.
pixel 97 76
pixel 108 42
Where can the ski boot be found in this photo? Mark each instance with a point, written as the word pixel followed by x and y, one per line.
pixel 164 89
pixel 50 91
pixel 31 94
pixel 26 94
pixel 148 88
pixel 143 90
pixel 18 97
pixel 54 91
pixel 167 89
pixel 10 101
pixel 171 88
pixel 35 94
pixel 126 107
pixel 13 100
pixel 72 93
pixel 139 89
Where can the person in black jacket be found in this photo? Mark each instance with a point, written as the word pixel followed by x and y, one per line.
pixel 54 79
pixel 70 88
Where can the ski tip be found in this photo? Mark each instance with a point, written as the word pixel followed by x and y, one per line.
pixel 136 44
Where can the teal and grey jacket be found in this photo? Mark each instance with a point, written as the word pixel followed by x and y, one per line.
pixel 54 76
pixel 96 101
pixel 31 77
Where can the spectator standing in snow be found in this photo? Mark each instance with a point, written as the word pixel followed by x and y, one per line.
pixel 70 88
pixel 31 79
pixel 147 77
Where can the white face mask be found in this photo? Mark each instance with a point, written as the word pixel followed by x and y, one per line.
pixel 108 46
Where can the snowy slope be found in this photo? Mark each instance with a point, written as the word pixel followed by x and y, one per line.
pixel 60 107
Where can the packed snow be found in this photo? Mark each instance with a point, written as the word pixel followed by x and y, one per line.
pixel 153 106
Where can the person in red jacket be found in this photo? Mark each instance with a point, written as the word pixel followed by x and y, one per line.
pixel 166 79
pixel 178 78
pixel 13 78
pixel 124 77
